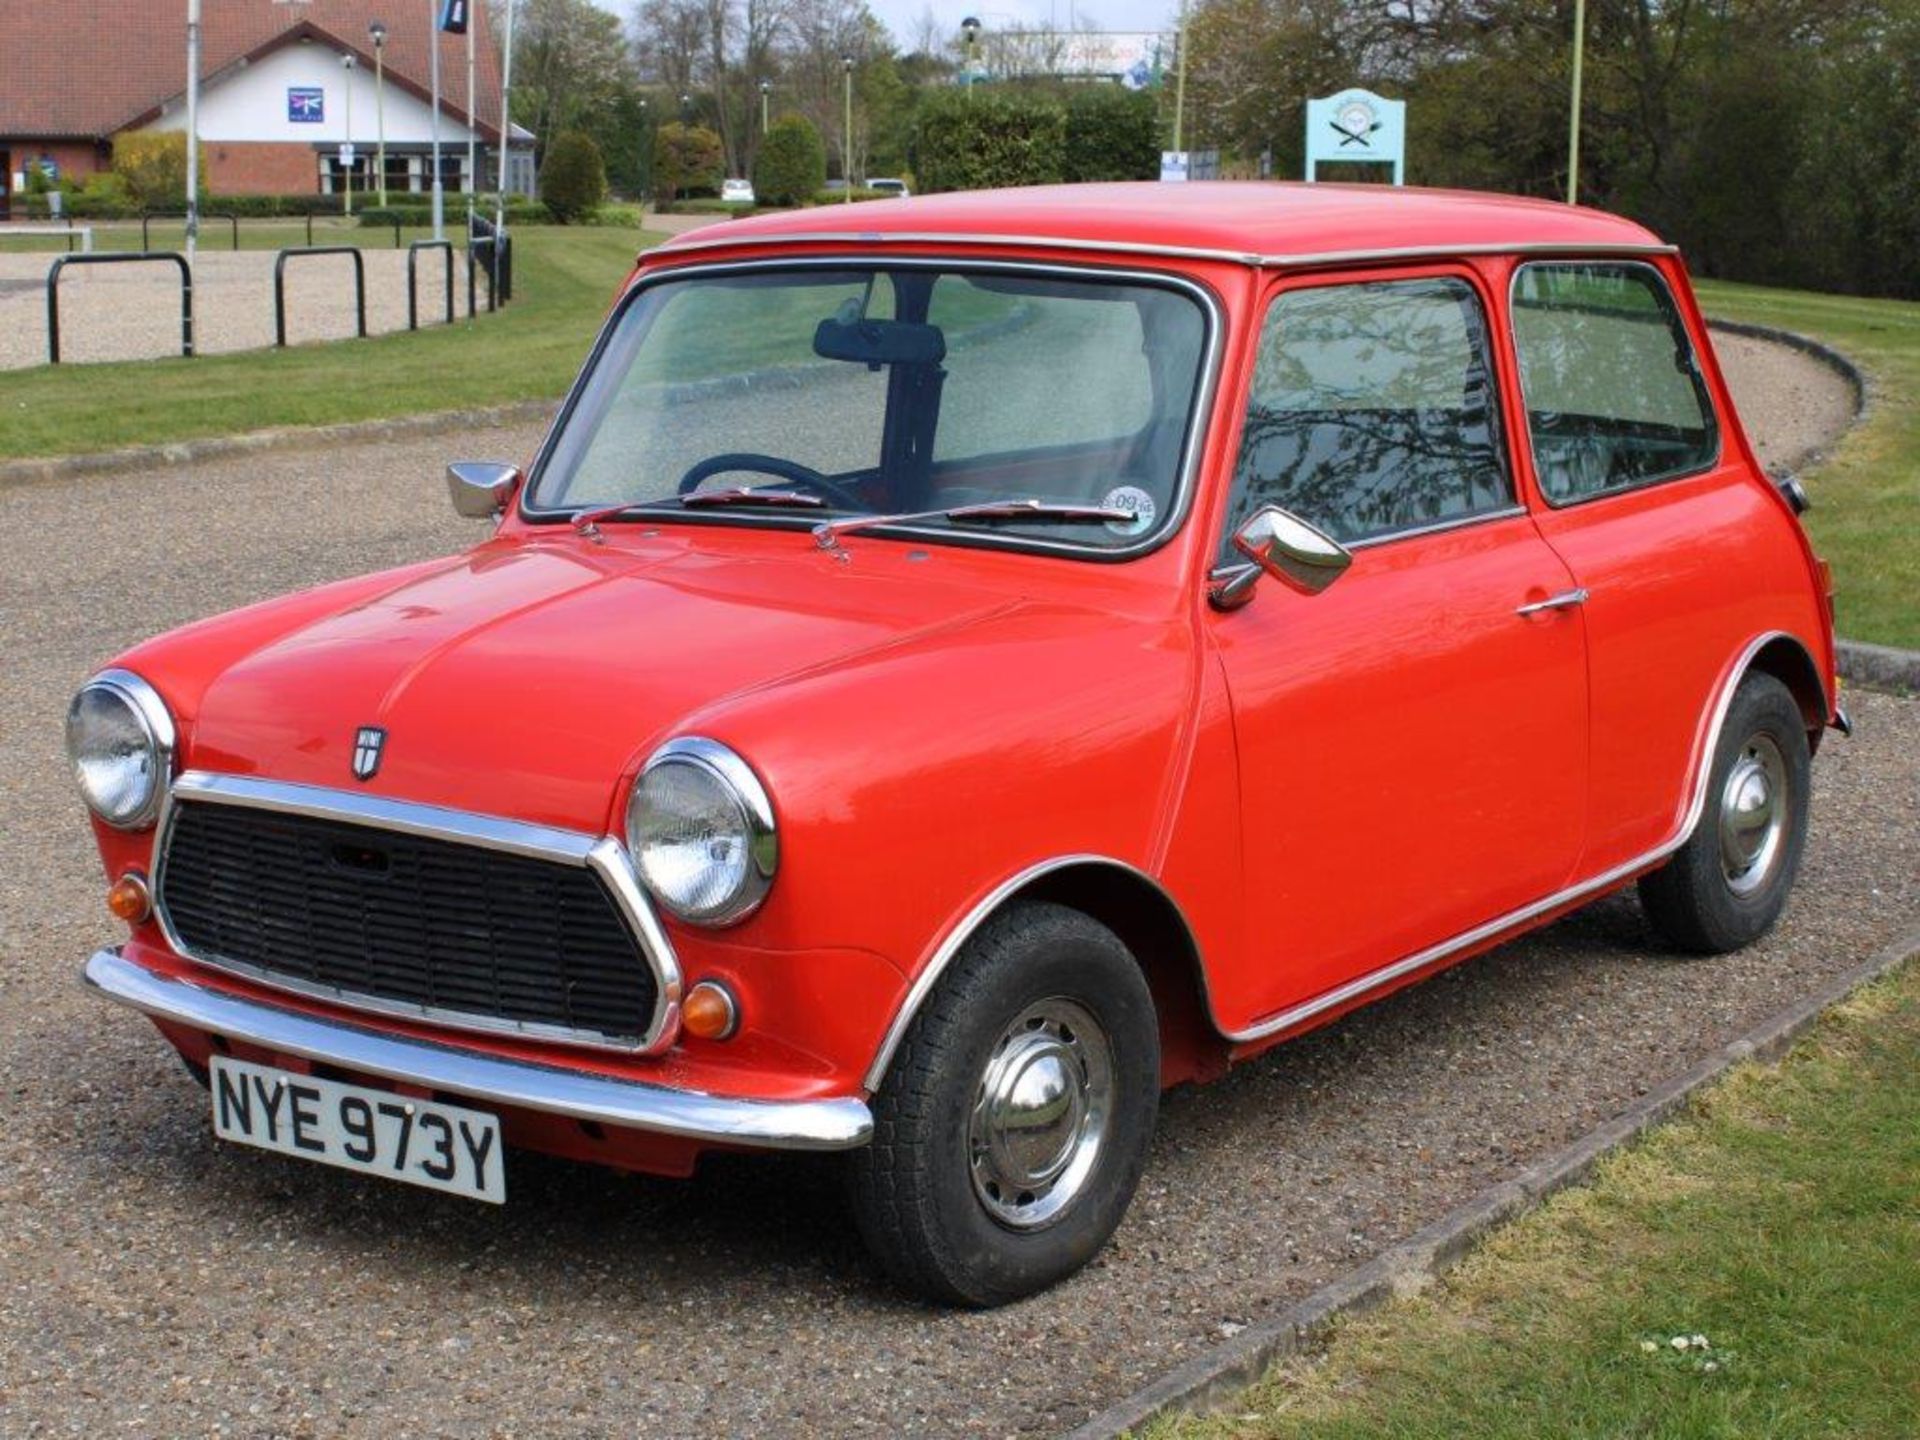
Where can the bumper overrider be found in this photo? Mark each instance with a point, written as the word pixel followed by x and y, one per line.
pixel 830 1124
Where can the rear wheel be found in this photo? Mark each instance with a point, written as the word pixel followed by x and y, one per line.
pixel 1727 885
pixel 1011 1129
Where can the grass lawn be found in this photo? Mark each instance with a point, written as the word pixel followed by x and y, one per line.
pixel 1780 1220
pixel 1866 515
pixel 564 280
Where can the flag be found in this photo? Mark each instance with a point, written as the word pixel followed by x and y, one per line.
pixel 453 17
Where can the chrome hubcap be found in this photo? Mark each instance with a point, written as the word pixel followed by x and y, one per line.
pixel 1040 1113
pixel 1753 815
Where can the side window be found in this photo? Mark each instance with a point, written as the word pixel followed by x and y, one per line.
pixel 1614 393
pixel 1372 411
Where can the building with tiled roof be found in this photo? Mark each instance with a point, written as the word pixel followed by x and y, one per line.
pixel 277 100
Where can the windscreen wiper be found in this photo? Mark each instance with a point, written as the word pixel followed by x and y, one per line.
pixel 588 522
pixel 1030 511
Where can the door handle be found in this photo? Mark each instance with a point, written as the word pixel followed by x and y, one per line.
pixel 1565 600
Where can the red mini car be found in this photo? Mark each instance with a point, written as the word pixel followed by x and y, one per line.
pixel 954 670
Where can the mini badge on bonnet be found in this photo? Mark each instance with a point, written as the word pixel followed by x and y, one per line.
pixel 366 751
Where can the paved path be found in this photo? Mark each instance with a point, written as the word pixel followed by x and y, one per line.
pixel 153 1282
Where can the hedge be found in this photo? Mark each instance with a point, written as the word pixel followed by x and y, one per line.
pixel 792 162
pixel 573 177
pixel 988 140
pixel 1112 134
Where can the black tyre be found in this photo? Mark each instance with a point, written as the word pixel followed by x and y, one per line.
pixel 1726 886
pixel 1010 1131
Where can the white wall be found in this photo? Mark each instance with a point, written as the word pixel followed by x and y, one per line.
pixel 251 104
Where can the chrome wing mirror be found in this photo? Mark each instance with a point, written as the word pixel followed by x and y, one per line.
pixel 1286 547
pixel 480 489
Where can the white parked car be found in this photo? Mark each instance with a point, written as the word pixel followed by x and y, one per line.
pixel 736 192
pixel 891 189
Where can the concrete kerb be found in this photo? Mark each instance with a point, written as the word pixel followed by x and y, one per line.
pixel 1208 1381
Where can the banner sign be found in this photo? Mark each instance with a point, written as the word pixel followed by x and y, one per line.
pixel 306 104
pixel 453 17
pixel 1357 125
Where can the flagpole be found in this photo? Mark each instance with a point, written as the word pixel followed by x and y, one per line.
pixel 439 196
pixel 473 131
pixel 193 130
pixel 1573 124
pixel 506 136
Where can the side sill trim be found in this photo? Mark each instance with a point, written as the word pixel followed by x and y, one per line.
pixel 1703 767
pixel 834 1124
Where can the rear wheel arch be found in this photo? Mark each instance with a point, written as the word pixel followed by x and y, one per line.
pixel 1789 662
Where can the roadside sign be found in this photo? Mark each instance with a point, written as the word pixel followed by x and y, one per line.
pixel 346 153
pixel 1357 125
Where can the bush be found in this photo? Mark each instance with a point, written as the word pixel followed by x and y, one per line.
pixel 988 141
pixel 686 157
pixel 792 163
pixel 573 177
pixel 154 169
pixel 1112 134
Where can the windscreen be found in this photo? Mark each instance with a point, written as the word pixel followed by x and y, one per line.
pixel 890 390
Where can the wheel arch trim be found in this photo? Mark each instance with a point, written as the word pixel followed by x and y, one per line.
pixel 985 909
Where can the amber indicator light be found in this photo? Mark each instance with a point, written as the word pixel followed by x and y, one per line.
pixel 709 1011
pixel 127 897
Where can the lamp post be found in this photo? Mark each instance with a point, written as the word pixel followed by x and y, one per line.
pixel 646 149
pixel 846 135
pixel 378 33
pixel 970 28
pixel 1180 85
pixel 686 107
pixel 766 90
pixel 1573 124
pixel 346 148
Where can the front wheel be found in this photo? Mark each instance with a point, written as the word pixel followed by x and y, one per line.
pixel 1011 1129
pixel 1726 886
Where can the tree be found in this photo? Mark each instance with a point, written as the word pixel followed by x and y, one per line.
pixel 686 157
pixel 572 68
pixel 573 178
pixel 154 167
pixel 792 163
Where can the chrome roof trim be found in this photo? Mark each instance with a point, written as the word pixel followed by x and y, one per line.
pixel 604 855
pixel 834 1123
pixel 859 239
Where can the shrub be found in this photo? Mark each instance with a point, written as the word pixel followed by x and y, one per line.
pixel 1112 134
pixel 573 177
pixel 792 163
pixel 686 157
pixel 154 168
pixel 991 140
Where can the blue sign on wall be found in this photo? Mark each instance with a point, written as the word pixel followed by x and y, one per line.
pixel 306 104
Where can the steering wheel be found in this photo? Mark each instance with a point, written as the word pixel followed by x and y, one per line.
pixel 789 470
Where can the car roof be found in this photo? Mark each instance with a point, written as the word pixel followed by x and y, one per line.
pixel 1247 221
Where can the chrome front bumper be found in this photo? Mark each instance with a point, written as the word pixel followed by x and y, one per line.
pixel 839 1124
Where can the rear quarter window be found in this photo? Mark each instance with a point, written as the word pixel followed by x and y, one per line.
pixel 1615 398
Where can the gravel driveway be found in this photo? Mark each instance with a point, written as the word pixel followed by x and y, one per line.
pixel 153 1282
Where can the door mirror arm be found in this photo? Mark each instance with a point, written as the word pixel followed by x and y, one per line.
pixel 481 490
pixel 1278 543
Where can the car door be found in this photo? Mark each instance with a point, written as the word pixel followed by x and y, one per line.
pixel 1412 740
pixel 1654 515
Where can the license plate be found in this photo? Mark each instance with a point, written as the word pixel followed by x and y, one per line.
pixel 422 1142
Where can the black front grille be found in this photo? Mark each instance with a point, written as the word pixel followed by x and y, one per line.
pixel 375 913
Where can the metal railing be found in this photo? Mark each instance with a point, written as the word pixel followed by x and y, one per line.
pixel 168 256
pixel 413 293
pixel 280 285
pixel 147 217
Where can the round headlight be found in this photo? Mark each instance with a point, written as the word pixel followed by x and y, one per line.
pixel 120 740
pixel 700 828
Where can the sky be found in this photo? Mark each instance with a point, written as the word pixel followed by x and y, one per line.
pixel 903 16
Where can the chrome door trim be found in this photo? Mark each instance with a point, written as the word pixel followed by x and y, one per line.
pixel 833 1123
pixel 958 936
pixel 1295 1015
pixel 604 855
